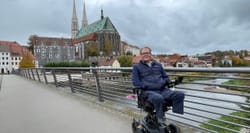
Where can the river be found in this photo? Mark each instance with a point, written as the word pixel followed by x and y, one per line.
pixel 207 101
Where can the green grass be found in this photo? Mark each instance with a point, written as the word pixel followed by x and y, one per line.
pixel 228 118
pixel 240 83
pixel 226 125
pixel 189 78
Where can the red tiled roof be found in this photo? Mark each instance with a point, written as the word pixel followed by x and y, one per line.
pixel 7 42
pixel 163 59
pixel 247 58
pixel 125 44
pixel 136 59
pixel 200 63
pixel 48 41
pixel 16 49
pixel 106 62
pixel 89 37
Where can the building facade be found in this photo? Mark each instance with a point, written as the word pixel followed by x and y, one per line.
pixel 129 49
pixel 100 38
pixel 5 65
pixel 47 49
pixel 11 54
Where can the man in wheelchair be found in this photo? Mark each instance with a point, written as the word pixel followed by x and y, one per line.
pixel 150 77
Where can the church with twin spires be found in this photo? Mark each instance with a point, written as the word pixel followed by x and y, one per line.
pixel 99 38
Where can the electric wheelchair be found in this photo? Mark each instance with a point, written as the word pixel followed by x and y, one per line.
pixel 150 123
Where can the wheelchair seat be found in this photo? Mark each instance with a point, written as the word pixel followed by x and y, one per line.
pixel 147 106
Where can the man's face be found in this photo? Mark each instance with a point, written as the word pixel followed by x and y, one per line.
pixel 146 55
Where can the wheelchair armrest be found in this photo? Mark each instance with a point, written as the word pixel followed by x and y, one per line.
pixel 171 84
pixel 136 89
pixel 175 82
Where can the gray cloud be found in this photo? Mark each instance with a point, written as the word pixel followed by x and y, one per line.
pixel 169 26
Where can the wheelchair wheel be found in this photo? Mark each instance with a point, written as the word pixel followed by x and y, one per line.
pixel 137 127
pixel 173 129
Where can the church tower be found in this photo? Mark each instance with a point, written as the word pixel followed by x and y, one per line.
pixel 84 16
pixel 74 23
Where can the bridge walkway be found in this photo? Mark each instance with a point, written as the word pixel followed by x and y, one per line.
pixel 32 107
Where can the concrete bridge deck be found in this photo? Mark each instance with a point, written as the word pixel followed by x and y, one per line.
pixel 31 107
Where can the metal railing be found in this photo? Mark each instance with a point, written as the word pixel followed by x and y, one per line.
pixel 209 103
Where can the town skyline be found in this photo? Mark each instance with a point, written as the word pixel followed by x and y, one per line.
pixel 193 31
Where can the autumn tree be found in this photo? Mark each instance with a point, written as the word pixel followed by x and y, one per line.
pixel 26 61
pixel 237 61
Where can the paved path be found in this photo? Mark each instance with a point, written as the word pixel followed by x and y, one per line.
pixel 1 81
pixel 31 107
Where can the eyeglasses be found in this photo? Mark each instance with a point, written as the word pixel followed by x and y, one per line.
pixel 145 53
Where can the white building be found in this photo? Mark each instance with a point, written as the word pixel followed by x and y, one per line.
pixel 10 56
pixel 5 64
pixel 109 63
pixel 127 48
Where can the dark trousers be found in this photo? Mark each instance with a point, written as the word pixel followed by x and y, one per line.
pixel 157 98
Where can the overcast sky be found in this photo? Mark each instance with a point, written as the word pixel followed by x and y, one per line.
pixel 167 26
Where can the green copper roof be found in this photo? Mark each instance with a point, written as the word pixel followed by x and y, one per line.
pixel 103 24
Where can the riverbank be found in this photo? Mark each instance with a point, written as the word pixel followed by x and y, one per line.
pixel 242 114
pixel 222 90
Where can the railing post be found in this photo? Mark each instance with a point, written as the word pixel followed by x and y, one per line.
pixel 45 78
pixel 24 73
pixel 29 73
pixel 54 75
pixel 20 72
pixel 70 82
pixel 98 87
pixel 33 75
pixel 38 75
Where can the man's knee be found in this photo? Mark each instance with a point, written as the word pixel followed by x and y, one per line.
pixel 157 98
pixel 180 95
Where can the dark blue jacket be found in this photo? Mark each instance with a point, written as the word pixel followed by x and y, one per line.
pixel 149 78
